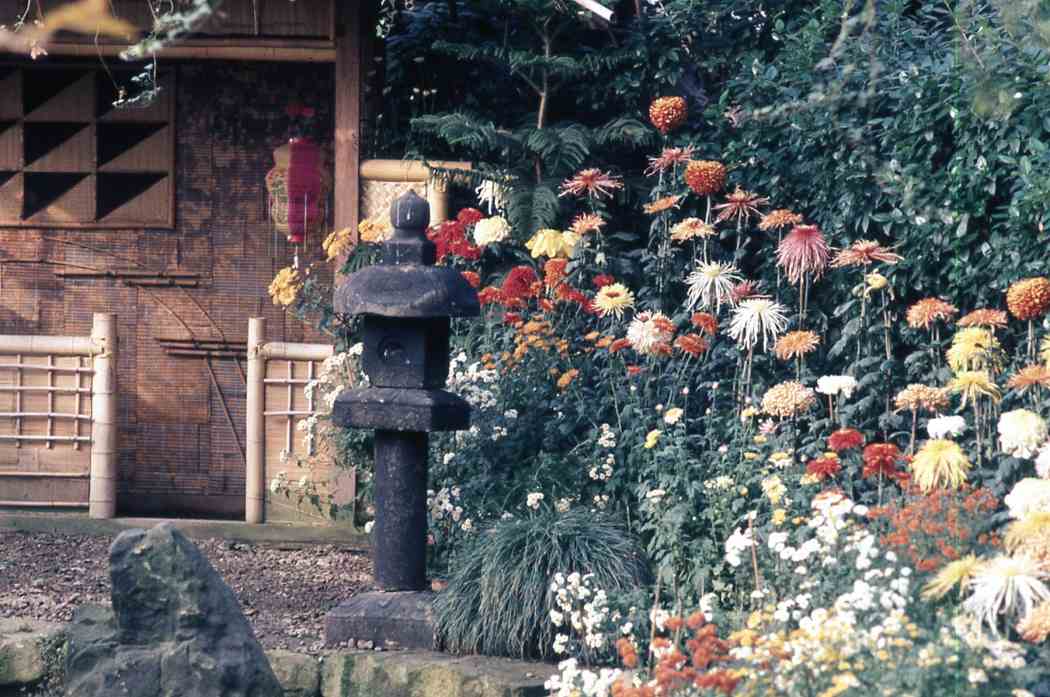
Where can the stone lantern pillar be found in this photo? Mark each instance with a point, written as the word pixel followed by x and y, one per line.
pixel 406 305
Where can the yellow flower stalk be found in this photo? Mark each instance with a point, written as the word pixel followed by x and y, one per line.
pixel 940 463
pixel 952 574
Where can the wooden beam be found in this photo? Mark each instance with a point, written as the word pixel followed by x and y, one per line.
pixel 305 51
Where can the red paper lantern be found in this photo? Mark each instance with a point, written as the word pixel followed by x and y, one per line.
pixel 298 187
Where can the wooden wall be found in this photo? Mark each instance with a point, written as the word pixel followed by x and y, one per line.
pixel 179 455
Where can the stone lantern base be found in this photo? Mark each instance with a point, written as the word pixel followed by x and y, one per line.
pixel 389 620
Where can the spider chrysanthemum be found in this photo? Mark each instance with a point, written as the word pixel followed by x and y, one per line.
pixel 1029 298
pixel 975 348
pixel 939 464
pixel 740 206
pixel 691 229
pixel 864 253
pixel 592 182
pixel 661 205
pixel 954 574
pixel 1006 586
pixel 711 285
pixel 1035 375
pixel 779 219
pixel 795 344
pixel 974 384
pixel 705 177
pixel 668 158
pixel 757 318
pixel 929 310
pixel 803 251
pixel 587 222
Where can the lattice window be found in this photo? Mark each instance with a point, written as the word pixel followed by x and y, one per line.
pixel 287 404
pixel 68 158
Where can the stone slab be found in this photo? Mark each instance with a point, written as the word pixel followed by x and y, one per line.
pixel 298 673
pixel 396 620
pixel 22 647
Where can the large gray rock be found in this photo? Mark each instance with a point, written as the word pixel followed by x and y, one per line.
pixel 176 630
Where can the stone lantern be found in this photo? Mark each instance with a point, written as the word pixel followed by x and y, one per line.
pixel 406 305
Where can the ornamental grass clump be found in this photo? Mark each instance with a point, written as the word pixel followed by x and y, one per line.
pixel 497 602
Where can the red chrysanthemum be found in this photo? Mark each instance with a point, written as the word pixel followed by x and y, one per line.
pixel 693 344
pixel 554 272
pixel 489 295
pixel 469 216
pixel 667 113
pixel 519 284
pixel 743 290
pixel 705 322
pixel 881 459
pixel 824 467
pixel 602 280
pixel 845 439
pixel 450 239
pixel 472 278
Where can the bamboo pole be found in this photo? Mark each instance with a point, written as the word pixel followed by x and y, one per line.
pixel 255 435
pixel 280 350
pixel 43 345
pixel 102 497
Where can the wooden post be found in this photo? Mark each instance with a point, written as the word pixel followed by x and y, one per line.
pixel 102 496
pixel 255 435
pixel 349 74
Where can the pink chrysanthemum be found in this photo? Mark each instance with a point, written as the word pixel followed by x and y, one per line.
pixel 803 251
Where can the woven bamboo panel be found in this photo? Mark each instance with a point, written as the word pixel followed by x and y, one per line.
pixel 378 196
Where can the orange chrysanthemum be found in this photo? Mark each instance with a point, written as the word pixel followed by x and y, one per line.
pixel 915 397
pixel 705 177
pixel 864 253
pixel 929 310
pixel 984 318
pixel 690 229
pixel 554 272
pixel 587 222
pixel 740 205
pixel 1036 375
pixel 662 204
pixel 472 278
pixel 705 322
pixel 1029 298
pixel 667 113
pixel 693 344
pixel 796 344
pixel 779 219
pixel 668 158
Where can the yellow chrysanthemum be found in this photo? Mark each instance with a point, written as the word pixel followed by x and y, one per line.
pixel 940 463
pixel 285 286
pixel 338 243
pixel 613 299
pixel 955 573
pixel 651 438
pixel 975 348
pixel 551 243
pixel 972 384
pixel 373 231
pixel 1030 536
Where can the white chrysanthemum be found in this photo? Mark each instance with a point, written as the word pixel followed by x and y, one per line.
pixel 647 331
pixel 1030 495
pixel 835 384
pixel 1006 586
pixel 757 318
pixel 1021 432
pixel 1042 461
pixel 489 230
pixel 711 285
pixel 946 426
pixel 533 500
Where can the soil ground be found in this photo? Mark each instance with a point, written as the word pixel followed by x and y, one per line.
pixel 284 592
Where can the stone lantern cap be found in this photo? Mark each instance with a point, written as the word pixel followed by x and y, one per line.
pixel 406 284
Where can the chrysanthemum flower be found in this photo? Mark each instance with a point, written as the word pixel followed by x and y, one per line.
pixel 917 397
pixel 803 251
pixel 372 231
pixel 939 464
pixel 1035 626
pixel 613 299
pixel 864 253
pixel 881 459
pixel 651 439
pixel 757 318
pixel 953 574
pixel 845 439
pixel 491 230
pixel 554 272
pixel 587 222
pixel 705 322
pixel 824 467
pixel 551 243
pixel 705 177
pixel 1021 432
pixel 602 280
pixel 1030 536
pixel 984 317
pixel 472 278
pixel 1029 298
pixel 338 243
pixel 648 331
pixel 520 284
pixel 929 310
pixel 711 285
pixel 833 385
pixel 567 377
pixel 740 205
pixel 1030 495
pixel 974 348
pixel 667 113
pixel 668 158
pixel 591 182
pixel 1035 375
pixel 788 399
pixel 946 426
pixel 1006 586
pixel 779 219
pixel 490 295
pixel 662 204
pixel 795 344
pixel 972 384
pixel 284 288
pixel 693 344
pixel 691 229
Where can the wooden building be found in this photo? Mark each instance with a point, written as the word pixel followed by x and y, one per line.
pixel 160 216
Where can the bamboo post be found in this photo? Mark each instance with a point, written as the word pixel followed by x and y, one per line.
pixel 102 497
pixel 255 436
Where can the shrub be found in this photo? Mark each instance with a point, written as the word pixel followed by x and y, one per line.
pixel 497 601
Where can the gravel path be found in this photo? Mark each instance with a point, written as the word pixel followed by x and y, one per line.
pixel 284 592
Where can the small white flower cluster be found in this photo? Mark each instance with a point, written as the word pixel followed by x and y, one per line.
pixel 533 500
pixel 738 543
pixel 338 372
pixel 443 503
pixel 581 608
pixel 573 681
pixel 473 382
pixel 720 483
pixel 279 482
pixel 833 385
pixel 602 473
pixel 601 501
pixel 563 505
pixel 607 439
